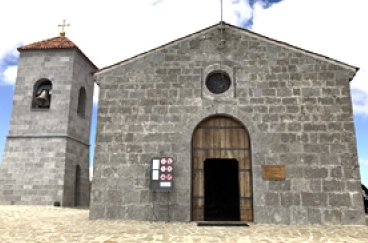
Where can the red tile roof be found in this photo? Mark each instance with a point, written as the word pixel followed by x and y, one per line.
pixel 60 42
pixel 236 27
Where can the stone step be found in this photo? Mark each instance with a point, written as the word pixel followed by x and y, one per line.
pixel 222 223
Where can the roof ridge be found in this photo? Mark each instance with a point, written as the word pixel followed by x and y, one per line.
pixel 232 26
pixel 59 42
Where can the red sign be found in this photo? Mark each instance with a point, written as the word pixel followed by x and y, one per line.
pixel 166 167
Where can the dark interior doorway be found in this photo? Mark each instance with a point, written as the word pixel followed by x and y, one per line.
pixel 221 190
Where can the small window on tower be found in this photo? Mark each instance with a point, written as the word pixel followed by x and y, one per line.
pixel 81 102
pixel 42 92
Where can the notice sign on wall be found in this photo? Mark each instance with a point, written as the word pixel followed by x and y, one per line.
pixel 161 174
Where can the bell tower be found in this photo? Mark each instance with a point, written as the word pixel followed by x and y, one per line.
pixel 46 156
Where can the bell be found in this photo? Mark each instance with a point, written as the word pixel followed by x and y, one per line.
pixel 43 99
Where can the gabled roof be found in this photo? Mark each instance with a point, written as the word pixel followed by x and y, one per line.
pixel 239 28
pixel 60 42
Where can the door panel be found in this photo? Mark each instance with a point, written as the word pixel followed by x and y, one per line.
pixel 221 137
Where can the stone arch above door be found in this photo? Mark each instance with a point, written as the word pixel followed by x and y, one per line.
pixel 246 119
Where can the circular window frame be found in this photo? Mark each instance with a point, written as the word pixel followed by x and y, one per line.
pixel 217 68
pixel 218 82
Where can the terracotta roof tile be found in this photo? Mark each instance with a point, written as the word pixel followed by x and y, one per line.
pixel 60 42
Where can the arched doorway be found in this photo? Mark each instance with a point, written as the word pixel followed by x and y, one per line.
pixel 77 189
pixel 221 171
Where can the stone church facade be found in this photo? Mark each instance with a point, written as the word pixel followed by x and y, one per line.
pixel 222 94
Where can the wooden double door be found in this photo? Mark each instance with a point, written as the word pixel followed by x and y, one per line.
pixel 221 139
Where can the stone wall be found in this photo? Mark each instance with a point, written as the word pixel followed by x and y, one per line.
pixel 79 127
pixel 32 171
pixel 77 154
pixel 295 105
pixel 43 145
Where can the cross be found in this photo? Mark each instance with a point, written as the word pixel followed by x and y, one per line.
pixel 63 25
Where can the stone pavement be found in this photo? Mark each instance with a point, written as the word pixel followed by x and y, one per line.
pixel 51 224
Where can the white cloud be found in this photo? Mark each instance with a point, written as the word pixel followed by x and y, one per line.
pixel 155 2
pixel 335 28
pixel 359 90
pixel 9 52
pixel 363 162
pixel 9 75
pixel 96 92
pixel 238 12
pixel 90 173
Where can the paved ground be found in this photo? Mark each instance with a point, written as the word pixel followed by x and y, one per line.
pixel 50 224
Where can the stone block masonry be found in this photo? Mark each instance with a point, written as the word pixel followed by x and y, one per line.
pixel 44 146
pixel 295 105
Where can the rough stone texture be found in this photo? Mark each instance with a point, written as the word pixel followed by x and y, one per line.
pixel 296 107
pixel 332 217
pixel 60 224
pixel 43 147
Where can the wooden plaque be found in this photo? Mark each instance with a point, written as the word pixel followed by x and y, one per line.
pixel 273 172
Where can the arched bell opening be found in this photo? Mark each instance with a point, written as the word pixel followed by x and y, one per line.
pixel 42 93
pixel 221 167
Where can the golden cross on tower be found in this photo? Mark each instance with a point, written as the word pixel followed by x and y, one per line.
pixel 63 25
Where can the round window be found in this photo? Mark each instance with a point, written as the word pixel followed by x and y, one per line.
pixel 218 82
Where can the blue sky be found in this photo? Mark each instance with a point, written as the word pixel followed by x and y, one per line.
pixel 122 29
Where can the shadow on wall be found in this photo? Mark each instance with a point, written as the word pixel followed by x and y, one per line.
pixel 365 197
pixel 90 188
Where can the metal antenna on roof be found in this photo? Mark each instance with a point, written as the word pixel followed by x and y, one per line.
pixel 222 41
pixel 222 27
pixel 221 10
